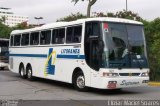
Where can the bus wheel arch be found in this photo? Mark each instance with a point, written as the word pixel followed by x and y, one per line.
pixel 77 76
pixel 22 71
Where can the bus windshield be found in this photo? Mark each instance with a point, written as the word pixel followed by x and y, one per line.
pixel 124 46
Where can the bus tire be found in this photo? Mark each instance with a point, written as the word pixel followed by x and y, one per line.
pixel 79 82
pixel 29 73
pixel 22 71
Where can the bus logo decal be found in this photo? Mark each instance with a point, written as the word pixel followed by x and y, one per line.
pixel 50 63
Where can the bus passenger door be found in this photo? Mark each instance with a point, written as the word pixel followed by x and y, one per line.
pixel 93 46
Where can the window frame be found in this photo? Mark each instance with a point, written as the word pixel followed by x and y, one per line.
pixel 50 42
pixel 73 33
pixel 38 38
pixel 19 39
pixel 58 35
pixel 25 35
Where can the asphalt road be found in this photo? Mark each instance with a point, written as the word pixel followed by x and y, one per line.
pixel 12 87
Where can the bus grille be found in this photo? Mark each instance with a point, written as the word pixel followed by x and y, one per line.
pixel 129 74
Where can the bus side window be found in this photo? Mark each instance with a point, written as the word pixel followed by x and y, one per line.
pixel 54 33
pixel 69 35
pixel 45 37
pixel 91 29
pixel 77 34
pixel 74 34
pixel 60 36
pixel 17 39
pixel 34 38
pixel 25 39
pixel 11 41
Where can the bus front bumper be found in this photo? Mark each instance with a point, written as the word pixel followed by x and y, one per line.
pixel 125 82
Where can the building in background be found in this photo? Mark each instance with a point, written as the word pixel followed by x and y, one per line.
pixel 10 19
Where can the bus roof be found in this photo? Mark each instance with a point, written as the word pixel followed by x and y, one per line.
pixel 79 21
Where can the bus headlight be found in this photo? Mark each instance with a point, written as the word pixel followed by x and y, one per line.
pixel 145 74
pixel 105 74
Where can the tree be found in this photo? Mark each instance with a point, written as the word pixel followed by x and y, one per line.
pixel 22 25
pixel 90 4
pixel 4 31
pixel 128 15
pixel 120 14
pixel 153 44
pixel 3 19
pixel 72 17
pixel 101 14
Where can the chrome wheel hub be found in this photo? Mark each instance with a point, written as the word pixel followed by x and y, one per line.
pixel 29 73
pixel 80 82
pixel 22 72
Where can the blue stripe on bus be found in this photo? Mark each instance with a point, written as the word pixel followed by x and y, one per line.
pixel 29 55
pixel 71 56
pixel 45 56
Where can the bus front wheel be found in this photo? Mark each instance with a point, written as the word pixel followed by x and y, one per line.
pixel 79 82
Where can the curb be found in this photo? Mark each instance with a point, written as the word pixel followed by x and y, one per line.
pixel 154 84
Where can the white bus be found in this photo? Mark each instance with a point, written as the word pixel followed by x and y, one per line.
pixel 103 53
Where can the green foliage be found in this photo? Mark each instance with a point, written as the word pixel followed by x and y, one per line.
pixel 4 31
pixel 128 15
pixel 72 17
pixel 2 19
pixel 120 14
pixel 153 46
pixel 22 25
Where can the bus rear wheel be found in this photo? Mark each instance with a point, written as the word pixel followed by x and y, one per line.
pixel 79 82
pixel 22 72
pixel 29 73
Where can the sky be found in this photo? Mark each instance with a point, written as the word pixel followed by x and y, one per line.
pixel 51 10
